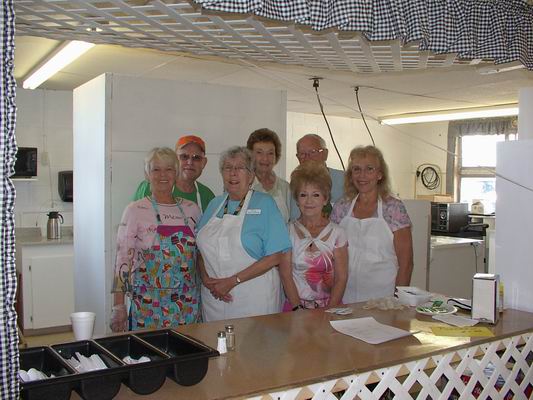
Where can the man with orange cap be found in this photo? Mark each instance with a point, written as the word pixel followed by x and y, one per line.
pixel 190 150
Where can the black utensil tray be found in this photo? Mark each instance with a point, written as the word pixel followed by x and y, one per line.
pixel 47 361
pixel 101 384
pixel 143 378
pixel 172 354
pixel 189 358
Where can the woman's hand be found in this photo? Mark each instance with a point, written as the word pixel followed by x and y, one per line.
pixel 119 318
pixel 220 288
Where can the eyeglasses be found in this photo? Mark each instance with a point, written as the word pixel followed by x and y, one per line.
pixel 194 157
pixel 237 168
pixel 369 170
pixel 309 153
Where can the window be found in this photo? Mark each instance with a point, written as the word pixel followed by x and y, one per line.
pixel 476 169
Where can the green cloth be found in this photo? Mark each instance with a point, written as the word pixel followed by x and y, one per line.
pixel 206 195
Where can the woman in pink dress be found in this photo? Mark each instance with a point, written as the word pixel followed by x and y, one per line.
pixel 314 272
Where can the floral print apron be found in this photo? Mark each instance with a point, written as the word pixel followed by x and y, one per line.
pixel 165 285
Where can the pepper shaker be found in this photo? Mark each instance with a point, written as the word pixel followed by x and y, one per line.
pixel 221 343
pixel 230 338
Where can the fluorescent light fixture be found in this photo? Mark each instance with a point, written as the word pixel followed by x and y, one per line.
pixel 59 59
pixel 451 115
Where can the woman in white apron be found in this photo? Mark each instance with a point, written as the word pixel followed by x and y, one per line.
pixel 380 251
pixel 240 237
pixel 266 149
pixel 314 272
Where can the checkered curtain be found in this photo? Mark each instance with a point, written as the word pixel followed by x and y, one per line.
pixel 9 356
pixel 499 30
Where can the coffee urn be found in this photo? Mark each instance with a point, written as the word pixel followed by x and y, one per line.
pixel 53 227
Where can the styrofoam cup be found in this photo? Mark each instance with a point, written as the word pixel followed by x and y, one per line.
pixel 82 324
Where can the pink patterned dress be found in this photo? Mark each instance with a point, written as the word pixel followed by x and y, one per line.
pixel 313 267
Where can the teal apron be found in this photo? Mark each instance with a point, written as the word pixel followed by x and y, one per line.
pixel 165 285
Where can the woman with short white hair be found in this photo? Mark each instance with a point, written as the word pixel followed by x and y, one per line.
pixel 241 237
pixel 156 254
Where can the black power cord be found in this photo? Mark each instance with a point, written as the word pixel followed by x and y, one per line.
pixel 429 176
pixel 316 84
pixel 362 115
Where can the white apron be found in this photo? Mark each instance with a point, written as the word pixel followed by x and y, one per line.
pixel 219 241
pixel 372 261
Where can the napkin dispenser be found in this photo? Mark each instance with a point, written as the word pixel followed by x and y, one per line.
pixel 485 297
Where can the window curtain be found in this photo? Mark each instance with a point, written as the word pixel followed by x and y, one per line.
pixel 9 355
pixel 485 126
pixel 499 30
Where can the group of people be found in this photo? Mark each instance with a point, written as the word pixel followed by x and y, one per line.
pixel 265 245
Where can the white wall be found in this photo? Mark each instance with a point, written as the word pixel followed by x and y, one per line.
pixel 404 147
pixel 44 120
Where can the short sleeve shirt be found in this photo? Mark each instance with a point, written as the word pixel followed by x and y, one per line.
pixel 264 231
pixel 281 194
pixel 394 212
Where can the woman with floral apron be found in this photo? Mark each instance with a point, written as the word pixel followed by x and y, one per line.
pixel 156 254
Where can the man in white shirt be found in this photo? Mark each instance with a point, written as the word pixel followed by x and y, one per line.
pixel 313 147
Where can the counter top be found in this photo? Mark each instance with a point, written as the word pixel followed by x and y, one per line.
pixel 32 236
pixel 281 351
pixel 449 241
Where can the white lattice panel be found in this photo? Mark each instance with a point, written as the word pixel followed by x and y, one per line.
pixel 178 26
pixel 501 369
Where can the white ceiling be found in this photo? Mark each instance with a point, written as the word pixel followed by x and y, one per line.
pixel 172 40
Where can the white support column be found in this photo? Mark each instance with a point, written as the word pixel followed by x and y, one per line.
pixel 514 213
pixel 525 114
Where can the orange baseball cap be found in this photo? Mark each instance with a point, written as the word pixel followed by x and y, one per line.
pixel 185 140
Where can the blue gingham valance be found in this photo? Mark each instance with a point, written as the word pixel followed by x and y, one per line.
pixel 9 362
pixel 499 30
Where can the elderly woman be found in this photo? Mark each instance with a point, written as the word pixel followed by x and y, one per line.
pixel 240 237
pixel 378 228
pixel 314 273
pixel 156 253
pixel 266 149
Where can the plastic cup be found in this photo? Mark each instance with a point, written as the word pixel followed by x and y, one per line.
pixel 82 324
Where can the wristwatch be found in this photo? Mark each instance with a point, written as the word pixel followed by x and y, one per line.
pixel 238 279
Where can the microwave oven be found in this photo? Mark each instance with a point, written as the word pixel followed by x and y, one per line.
pixel 448 217
pixel 26 162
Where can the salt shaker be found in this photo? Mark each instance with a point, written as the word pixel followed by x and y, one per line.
pixel 230 338
pixel 221 343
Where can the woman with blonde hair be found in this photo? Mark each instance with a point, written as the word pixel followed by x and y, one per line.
pixel 380 252
pixel 314 272
pixel 155 264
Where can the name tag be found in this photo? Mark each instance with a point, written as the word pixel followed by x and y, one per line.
pixel 253 211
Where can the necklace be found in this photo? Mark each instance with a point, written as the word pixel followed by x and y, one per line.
pixel 237 210
pixel 177 202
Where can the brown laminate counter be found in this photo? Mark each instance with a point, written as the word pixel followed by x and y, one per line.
pixel 287 350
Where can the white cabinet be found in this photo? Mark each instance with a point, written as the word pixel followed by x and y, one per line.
pixel 46 284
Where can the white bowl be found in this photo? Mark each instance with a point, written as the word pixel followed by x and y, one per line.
pixel 412 296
